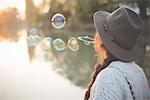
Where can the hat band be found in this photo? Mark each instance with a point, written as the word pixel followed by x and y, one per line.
pixel 106 31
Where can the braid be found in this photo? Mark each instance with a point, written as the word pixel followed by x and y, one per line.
pixel 98 68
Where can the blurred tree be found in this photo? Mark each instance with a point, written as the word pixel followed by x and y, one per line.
pixel 86 8
pixel 83 10
pixel 143 4
pixel 9 24
pixel 31 13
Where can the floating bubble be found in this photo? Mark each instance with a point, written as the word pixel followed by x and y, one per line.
pixel 46 43
pixel 73 44
pixel 60 72
pixel 58 21
pixel 87 43
pixel 87 40
pixel 47 56
pixel 33 39
pixel 33 31
pixel 59 44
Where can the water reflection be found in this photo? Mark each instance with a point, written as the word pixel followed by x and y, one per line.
pixel 22 80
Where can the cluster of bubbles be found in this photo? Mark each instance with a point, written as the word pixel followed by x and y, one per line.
pixel 58 44
pixel 58 21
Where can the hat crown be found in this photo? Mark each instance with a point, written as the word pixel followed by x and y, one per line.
pixel 125 26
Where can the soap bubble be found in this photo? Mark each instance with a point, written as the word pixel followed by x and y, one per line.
pixel 86 40
pixel 33 39
pixel 60 72
pixel 73 44
pixel 58 21
pixel 46 43
pixel 33 31
pixel 47 56
pixel 59 44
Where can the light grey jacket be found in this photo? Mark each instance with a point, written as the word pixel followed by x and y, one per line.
pixel 112 83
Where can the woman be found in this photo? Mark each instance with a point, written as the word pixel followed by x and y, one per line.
pixel 118 44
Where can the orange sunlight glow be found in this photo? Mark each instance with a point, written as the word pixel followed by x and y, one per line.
pixel 19 4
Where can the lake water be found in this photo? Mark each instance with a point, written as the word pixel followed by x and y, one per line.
pixel 22 80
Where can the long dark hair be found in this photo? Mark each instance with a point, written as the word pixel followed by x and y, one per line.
pixel 104 59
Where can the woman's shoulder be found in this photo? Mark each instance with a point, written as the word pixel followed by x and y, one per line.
pixel 108 84
pixel 121 69
pixel 114 76
pixel 117 72
pixel 109 75
pixel 114 68
pixel 112 80
pixel 126 67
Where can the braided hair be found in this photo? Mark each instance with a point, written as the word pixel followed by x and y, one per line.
pixel 104 59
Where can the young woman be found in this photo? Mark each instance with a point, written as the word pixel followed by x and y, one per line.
pixel 118 44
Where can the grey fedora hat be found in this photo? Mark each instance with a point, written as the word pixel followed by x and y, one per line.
pixel 120 32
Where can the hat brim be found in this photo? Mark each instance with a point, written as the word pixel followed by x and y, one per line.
pixel 121 53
